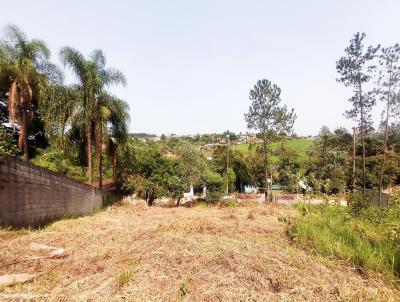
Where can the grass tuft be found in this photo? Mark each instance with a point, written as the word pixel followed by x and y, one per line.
pixel 183 289
pixel 123 279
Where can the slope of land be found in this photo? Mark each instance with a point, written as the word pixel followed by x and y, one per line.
pixel 300 146
pixel 134 253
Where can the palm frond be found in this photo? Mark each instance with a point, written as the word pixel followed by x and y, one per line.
pixel 36 50
pixel 75 60
pixel 59 106
pixel 14 34
pixel 98 58
pixel 51 71
pixel 112 76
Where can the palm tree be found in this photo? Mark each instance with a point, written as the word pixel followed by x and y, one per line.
pixel 24 65
pixel 118 128
pixel 110 124
pixel 93 78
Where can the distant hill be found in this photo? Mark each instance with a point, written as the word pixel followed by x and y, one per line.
pixel 142 135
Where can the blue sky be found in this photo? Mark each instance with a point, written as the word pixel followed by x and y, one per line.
pixel 190 64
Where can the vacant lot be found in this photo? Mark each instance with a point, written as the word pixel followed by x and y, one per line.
pixel 134 253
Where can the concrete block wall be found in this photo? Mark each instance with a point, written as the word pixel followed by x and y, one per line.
pixel 374 198
pixel 31 196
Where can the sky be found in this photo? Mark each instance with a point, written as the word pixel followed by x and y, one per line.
pixel 190 64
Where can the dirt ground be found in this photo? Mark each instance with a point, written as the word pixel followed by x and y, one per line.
pixel 135 253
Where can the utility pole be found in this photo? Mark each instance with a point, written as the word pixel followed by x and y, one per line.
pixel 227 163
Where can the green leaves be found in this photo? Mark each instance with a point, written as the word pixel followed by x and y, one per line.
pixel 355 69
pixel 97 107
pixel 25 69
pixel 8 145
pixel 266 115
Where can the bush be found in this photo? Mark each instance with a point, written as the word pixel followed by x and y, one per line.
pixel 57 161
pixel 8 144
pixel 215 187
pixel 357 202
pixel 230 179
pixel 132 184
pixel 228 203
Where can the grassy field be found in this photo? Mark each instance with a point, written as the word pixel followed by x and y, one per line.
pixel 368 241
pixel 298 145
pixel 130 252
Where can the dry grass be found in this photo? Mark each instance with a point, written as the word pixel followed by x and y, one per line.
pixel 134 253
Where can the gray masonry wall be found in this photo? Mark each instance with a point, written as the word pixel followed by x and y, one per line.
pixel 30 195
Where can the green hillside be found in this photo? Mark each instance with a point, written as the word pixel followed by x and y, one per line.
pixel 298 145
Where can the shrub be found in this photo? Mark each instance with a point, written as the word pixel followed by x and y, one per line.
pixel 57 161
pixel 229 203
pixel 132 184
pixel 8 144
pixel 215 187
pixel 357 202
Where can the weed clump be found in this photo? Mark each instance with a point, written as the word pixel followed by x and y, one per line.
pixel 183 289
pixel 123 279
pixel 368 237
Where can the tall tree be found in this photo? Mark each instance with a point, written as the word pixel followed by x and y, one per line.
pixel 118 124
pixel 25 65
pixel 355 70
pixel 110 112
pixel 389 82
pixel 267 116
pixel 94 77
pixel 191 164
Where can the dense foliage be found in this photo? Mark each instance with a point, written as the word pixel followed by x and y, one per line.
pixel 158 170
pixel 38 110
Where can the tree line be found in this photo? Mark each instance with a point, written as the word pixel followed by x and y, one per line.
pixel 373 74
pixel 72 128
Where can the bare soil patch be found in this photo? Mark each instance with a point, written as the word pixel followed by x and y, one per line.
pixel 134 253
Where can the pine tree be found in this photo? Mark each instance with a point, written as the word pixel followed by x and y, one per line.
pixel 389 84
pixel 268 117
pixel 355 70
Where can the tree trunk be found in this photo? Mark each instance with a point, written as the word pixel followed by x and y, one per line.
pixel 381 178
pixel 266 195
pixel 227 166
pixel 100 157
pixel 23 135
pixel 384 147
pixel 99 143
pixel 114 165
pixel 150 200
pixel 362 135
pixel 89 151
pixel 354 160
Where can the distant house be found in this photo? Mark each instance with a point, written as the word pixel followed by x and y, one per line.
pixel 250 189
